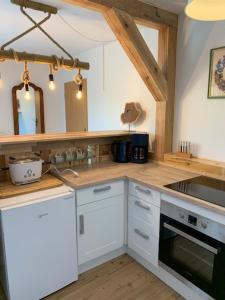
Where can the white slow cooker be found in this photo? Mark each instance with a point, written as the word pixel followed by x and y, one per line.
pixel 27 170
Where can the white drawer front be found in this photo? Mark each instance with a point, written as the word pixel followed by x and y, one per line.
pixel 100 192
pixel 144 193
pixel 142 242
pixel 144 213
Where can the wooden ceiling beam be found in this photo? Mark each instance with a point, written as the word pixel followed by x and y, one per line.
pixel 138 10
pixel 138 51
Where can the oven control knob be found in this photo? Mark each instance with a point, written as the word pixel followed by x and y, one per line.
pixel 204 225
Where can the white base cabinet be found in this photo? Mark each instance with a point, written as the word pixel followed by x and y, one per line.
pixel 39 246
pixel 100 228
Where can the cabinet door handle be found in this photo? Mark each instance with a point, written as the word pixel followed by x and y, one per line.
pixel 142 205
pixel 139 189
pixel 104 189
pixel 145 236
pixel 81 218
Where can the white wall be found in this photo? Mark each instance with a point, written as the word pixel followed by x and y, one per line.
pixel 198 119
pixel 53 100
pixel 113 81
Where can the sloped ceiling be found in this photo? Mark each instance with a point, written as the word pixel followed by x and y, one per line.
pixel 88 23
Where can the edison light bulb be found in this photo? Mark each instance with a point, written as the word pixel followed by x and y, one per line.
pixel 27 92
pixel 27 95
pixel 51 85
pixel 79 95
pixel 79 92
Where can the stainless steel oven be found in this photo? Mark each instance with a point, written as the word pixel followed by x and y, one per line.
pixel 193 247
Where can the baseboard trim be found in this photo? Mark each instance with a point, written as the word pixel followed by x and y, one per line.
pixel 101 260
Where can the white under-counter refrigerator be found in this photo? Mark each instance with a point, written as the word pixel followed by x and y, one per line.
pixel 38 243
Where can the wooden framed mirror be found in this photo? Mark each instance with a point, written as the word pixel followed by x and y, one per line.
pixel 28 109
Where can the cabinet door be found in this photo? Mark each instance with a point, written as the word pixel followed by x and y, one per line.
pixel 100 228
pixel 40 247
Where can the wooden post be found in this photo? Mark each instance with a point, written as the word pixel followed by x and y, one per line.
pixel 165 110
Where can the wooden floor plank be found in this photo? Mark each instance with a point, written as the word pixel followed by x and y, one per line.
pixel 119 279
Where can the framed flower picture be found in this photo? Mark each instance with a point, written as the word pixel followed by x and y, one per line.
pixel 216 87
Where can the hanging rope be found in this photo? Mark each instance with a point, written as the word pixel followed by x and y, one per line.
pixel 59 62
pixel 82 34
pixel 25 76
pixel 25 32
pixel 45 33
pixel 78 78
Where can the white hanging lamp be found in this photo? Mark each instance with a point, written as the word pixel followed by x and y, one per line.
pixel 206 10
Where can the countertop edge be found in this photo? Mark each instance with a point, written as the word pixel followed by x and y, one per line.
pixel 159 188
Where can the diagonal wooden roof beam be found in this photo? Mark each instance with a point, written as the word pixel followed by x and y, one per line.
pixel 138 10
pixel 138 51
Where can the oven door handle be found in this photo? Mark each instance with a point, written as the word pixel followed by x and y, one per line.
pixel 192 239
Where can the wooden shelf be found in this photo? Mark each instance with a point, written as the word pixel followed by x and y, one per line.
pixel 54 137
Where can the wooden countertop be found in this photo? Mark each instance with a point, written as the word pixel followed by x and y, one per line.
pixel 8 190
pixel 53 137
pixel 154 175
pixel 151 174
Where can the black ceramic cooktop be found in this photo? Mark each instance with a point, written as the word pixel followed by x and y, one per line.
pixel 205 188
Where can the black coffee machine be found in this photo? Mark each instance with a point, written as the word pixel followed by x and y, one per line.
pixel 121 151
pixel 139 148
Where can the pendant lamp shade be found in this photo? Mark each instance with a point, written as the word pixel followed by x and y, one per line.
pixel 206 10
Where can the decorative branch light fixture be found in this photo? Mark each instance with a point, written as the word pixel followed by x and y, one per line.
pixel 55 63
pixel 206 10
